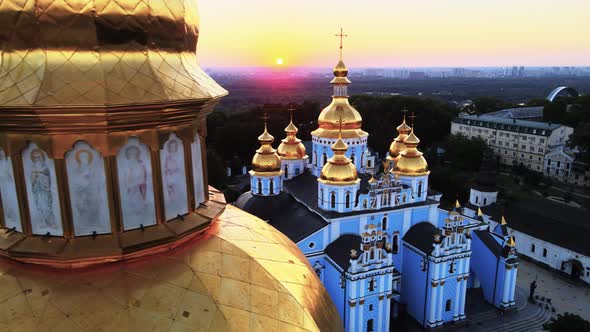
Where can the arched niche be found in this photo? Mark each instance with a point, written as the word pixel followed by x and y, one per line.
pixel 42 191
pixel 8 195
pixel 174 177
pixel 136 187
pixel 87 184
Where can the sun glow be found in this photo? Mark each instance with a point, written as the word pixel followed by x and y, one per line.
pixel 280 61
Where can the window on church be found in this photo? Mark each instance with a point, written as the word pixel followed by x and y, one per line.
pixel 352 158
pixel 370 307
pixel 370 326
pixel 271 186
pixel 476 199
pixel 532 247
pixel 259 187
pixel 372 254
pixel 394 247
pixel 347 200
pixel 325 159
pixel 384 223
pixel 315 158
pixel 452 267
pixel 364 203
pixel 448 305
pixel 420 189
pixel 372 285
pixel 485 201
pixel 322 196
pixel 333 200
pixel 544 252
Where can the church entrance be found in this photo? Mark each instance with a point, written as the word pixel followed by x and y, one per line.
pixel 573 267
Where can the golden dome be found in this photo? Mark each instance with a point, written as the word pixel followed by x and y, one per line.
pixel 291 146
pixel 410 161
pixel 329 121
pixel 266 161
pixel 398 144
pixel 100 53
pixel 240 275
pixel 340 70
pixel 339 169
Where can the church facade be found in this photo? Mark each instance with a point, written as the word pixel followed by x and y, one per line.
pixel 381 244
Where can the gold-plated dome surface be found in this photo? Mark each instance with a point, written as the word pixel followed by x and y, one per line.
pixel 266 160
pixel 410 161
pixel 329 120
pixel 340 70
pixel 241 275
pixel 72 53
pixel 339 169
pixel 291 146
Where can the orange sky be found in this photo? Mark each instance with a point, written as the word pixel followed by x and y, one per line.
pixel 395 33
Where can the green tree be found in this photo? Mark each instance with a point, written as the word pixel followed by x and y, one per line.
pixel 464 153
pixel 489 104
pixel 567 323
pixel 581 138
pixel 216 170
pixel 555 112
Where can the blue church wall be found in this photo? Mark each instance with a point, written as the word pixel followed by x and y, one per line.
pixel 414 285
pixel 420 214
pixel 484 265
pixel 314 242
pixel 333 276
pixel 449 293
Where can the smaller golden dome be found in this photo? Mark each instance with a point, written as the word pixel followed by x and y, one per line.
pixel 410 161
pixel 398 145
pixel 339 170
pixel 291 146
pixel 340 70
pixel 266 159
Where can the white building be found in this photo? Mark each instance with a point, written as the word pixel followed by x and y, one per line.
pixel 515 141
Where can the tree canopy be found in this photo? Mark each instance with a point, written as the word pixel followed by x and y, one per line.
pixel 567 323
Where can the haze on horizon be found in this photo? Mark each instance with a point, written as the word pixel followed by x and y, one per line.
pixel 385 33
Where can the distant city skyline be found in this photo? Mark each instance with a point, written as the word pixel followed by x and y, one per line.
pixel 382 33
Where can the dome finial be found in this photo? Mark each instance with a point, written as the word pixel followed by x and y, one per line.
pixel 341 35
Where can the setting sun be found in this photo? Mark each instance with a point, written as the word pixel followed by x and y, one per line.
pixel 280 61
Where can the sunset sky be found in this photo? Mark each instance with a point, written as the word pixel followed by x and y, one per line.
pixel 395 33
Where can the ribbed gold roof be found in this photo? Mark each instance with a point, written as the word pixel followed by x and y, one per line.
pixel 291 146
pixel 339 169
pixel 241 275
pixel 266 161
pixel 410 161
pixel 68 53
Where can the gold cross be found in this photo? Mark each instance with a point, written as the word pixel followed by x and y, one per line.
pixel 412 117
pixel 265 117
pixel 341 35
pixel 291 109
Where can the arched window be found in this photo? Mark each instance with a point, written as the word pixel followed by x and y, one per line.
pixel 370 327
pixel 485 201
pixel 372 254
pixel 364 203
pixel 333 200
pixel 271 187
pixel 544 252
pixel 322 196
pixel 533 247
pixel 448 305
pixel 259 187
pixel 174 177
pixel 325 159
pixel 395 245
pixel 404 197
pixel 384 223
pixel 286 171
pixel 420 189
pixel 347 200
pixel 315 158
pixel 352 158
pixel 476 199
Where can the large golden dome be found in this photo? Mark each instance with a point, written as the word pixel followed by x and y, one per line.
pixel 398 144
pixel 339 169
pixel 70 53
pixel 240 275
pixel 266 161
pixel 291 146
pixel 410 161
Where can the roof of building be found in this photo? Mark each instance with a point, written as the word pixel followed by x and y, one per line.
pixel 523 126
pixel 490 241
pixel 554 222
pixel 339 250
pixel 421 236
pixel 519 113
pixel 305 189
pixel 284 213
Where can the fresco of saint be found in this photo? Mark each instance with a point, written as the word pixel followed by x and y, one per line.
pixel 174 178
pixel 197 171
pixel 8 193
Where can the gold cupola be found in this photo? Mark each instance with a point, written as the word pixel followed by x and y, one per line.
pixel 291 146
pixel 266 161
pixel 339 170
pixel 340 108
pixel 410 161
pixel 398 144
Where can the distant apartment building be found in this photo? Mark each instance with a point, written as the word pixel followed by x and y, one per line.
pixel 518 141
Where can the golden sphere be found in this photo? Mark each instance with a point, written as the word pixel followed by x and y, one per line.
pixel 340 70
